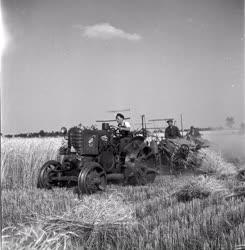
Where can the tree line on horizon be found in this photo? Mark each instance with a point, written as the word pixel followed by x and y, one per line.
pixel 43 133
pixel 229 122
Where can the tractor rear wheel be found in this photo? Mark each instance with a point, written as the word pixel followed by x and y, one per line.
pixel 91 179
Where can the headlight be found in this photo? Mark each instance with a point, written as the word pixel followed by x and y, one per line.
pixel 63 130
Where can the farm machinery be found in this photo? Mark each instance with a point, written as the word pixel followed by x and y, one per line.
pixel 180 154
pixel 91 158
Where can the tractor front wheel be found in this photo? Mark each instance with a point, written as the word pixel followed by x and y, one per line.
pixel 46 172
pixel 91 179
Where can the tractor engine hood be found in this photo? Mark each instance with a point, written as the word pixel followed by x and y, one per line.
pixel 85 142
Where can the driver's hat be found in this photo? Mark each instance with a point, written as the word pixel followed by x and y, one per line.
pixel 120 115
pixel 170 120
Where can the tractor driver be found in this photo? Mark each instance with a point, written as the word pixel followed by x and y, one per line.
pixel 124 129
pixel 123 126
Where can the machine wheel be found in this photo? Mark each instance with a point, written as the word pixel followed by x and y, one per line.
pixel 45 174
pixel 241 175
pixel 91 179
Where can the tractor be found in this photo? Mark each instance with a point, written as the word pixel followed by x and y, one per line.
pixel 91 158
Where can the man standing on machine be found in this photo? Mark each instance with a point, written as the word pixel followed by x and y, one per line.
pixel 172 132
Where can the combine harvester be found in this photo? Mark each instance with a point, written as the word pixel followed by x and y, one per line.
pixel 92 157
pixel 175 155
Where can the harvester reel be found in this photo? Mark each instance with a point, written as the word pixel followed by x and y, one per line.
pixel 91 179
pixel 45 174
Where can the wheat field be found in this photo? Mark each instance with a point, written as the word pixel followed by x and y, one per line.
pixel 175 212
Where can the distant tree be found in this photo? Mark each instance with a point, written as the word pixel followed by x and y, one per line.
pixel 41 133
pixel 229 121
pixel 242 128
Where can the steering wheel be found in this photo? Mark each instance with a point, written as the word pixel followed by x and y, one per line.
pixel 114 130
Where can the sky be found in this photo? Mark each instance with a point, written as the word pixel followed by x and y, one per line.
pixel 69 62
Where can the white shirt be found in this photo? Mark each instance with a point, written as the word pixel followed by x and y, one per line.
pixel 125 124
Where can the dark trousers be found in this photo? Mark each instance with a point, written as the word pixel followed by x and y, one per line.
pixel 122 152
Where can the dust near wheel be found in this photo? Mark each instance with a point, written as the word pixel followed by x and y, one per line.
pixel 135 174
pixel 150 175
pixel 135 177
pixel 46 173
pixel 91 179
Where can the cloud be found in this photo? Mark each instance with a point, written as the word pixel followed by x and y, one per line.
pixel 106 31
